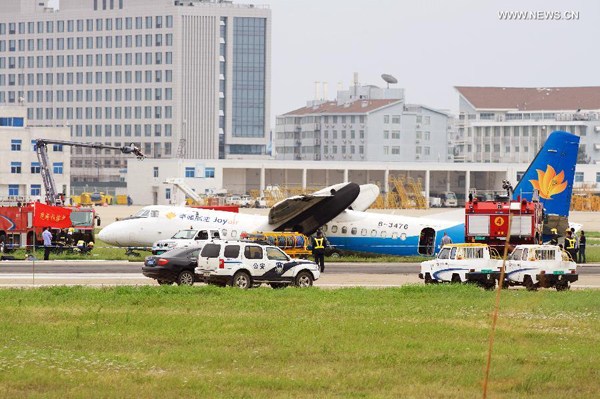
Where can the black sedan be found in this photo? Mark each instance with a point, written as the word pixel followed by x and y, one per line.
pixel 176 266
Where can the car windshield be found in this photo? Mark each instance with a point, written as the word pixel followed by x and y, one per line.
pixel 185 234
pixel 450 196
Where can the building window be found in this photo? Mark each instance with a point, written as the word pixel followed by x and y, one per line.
pixel 57 168
pixel 35 168
pixel 167 193
pixel 57 148
pixel 36 189
pixel 13 190
pixel 15 145
pixel 15 167
pixel 190 172
pixel 155 171
pixel 578 177
pixel 209 173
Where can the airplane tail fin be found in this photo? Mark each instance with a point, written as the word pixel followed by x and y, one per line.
pixel 552 173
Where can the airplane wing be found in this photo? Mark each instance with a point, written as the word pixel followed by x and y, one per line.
pixel 306 213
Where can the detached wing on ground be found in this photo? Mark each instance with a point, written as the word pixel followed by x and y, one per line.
pixel 306 213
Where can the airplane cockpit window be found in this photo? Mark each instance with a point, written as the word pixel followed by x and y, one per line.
pixel 202 235
pixel 154 214
pixel 353 231
pixel 344 230
pixel 142 213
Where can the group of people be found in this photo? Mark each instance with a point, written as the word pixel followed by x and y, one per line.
pixel 574 245
pixel 64 239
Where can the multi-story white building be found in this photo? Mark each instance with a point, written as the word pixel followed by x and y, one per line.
pixel 365 123
pixel 178 78
pixel 20 176
pixel 510 124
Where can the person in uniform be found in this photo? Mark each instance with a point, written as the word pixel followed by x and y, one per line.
pixel 582 240
pixel 554 239
pixel 570 245
pixel 319 244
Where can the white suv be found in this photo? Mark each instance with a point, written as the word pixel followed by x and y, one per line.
pixel 245 264
pixel 185 238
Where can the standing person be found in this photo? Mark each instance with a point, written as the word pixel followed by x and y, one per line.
pixel 582 240
pixel 570 245
pixel 554 239
pixel 318 244
pixel 574 235
pixel 47 236
pixel 446 239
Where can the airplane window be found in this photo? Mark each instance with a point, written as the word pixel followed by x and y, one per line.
pixel 353 231
pixel 344 230
pixel 394 236
pixel 154 214
pixel 233 233
pixel 334 229
pixel 373 233
pixel 224 232
pixel 324 229
pixel 142 214
pixel 363 232
pixel 231 251
pixel 403 236
pixel 216 235
pixel 383 234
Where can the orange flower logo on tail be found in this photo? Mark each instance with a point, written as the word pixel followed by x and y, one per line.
pixel 549 183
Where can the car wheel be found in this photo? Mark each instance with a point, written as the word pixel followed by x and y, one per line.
pixel 304 279
pixel 428 279
pixel 529 285
pixel 164 282
pixel 185 278
pixel 242 280
pixel 335 254
pixel 489 286
pixel 455 278
pixel 562 286
pixel 278 285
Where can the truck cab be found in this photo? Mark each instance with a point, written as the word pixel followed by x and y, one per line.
pixel 185 238
pixel 448 199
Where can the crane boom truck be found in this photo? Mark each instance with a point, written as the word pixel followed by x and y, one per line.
pixel 52 195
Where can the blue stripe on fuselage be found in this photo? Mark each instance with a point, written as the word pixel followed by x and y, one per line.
pixel 393 246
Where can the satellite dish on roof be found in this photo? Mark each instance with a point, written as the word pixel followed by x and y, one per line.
pixel 389 79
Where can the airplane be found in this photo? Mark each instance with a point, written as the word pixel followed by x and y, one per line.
pixel 340 210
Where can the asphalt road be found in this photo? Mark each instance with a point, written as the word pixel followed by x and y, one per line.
pixel 123 267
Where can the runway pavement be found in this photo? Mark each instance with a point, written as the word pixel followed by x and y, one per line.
pixel 108 273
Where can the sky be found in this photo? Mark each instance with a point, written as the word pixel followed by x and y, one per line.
pixel 429 46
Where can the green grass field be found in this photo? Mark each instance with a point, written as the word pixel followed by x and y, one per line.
pixel 208 342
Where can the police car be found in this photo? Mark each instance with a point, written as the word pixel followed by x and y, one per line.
pixel 246 264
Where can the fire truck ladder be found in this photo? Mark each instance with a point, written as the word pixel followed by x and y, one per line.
pixel 52 195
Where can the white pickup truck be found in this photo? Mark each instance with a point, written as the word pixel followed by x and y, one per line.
pixel 535 266
pixel 457 262
pixel 185 238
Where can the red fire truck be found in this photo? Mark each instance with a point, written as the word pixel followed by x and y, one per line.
pixel 487 221
pixel 18 227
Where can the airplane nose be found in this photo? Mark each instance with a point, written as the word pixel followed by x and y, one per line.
pixel 110 234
